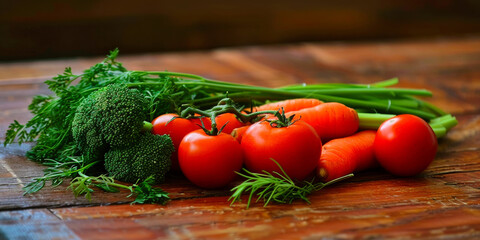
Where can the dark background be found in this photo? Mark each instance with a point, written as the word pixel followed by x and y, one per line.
pixel 34 29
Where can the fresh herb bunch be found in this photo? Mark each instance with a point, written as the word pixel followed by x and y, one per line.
pixel 276 187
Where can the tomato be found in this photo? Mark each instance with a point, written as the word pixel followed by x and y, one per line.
pixel 176 129
pixel 405 145
pixel 210 161
pixel 296 148
pixel 230 122
pixel 202 121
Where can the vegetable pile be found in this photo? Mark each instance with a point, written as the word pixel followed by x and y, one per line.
pixel 111 128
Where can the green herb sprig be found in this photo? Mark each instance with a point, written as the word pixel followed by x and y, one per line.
pixel 276 187
pixel 145 192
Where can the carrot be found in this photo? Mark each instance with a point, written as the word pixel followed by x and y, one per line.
pixel 330 120
pixel 289 105
pixel 347 155
pixel 238 132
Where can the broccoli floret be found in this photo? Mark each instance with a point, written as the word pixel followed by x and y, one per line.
pixel 85 129
pixel 110 117
pixel 150 156
pixel 123 113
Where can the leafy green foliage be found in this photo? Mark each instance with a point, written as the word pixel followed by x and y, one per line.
pixel 52 124
pixel 17 131
pixel 146 193
pixel 57 171
pixel 276 187
pixel 53 115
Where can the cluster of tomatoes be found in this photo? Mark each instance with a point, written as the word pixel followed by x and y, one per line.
pixel 404 145
pixel 211 161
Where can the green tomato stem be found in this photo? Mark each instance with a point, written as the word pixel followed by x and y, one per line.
pixel 225 105
pixel 147 126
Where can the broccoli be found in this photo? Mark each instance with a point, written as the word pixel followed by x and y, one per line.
pixel 110 117
pixel 123 113
pixel 109 124
pixel 85 129
pixel 150 156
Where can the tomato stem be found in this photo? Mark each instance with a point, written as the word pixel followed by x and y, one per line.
pixel 227 105
pixel 282 120
pixel 147 126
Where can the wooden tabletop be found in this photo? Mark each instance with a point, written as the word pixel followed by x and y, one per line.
pixel 442 202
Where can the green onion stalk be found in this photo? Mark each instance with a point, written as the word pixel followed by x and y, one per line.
pixel 375 102
pixel 440 125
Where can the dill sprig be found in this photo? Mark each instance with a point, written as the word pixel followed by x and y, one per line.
pixel 276 187
pixel 144 191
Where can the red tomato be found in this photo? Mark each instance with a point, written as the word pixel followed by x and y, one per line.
pixel 296 148
pixel 405 145
pixel 230 120
pixel 202 121
pixel 210 161
pixel 176 129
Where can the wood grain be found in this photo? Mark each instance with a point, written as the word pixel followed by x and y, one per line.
pixel 442 202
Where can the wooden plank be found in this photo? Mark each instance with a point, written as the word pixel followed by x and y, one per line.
pixel 382 208
pixel 464 136
pixel 457 58
pixel 208 219
pixel 189 219
pixel 33 224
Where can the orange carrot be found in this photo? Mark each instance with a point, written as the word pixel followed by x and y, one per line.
pixel 347 155
pixel 289 105
pixel 330 120
pixel 238 132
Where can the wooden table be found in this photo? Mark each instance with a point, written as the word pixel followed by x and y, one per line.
pixel 443 202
